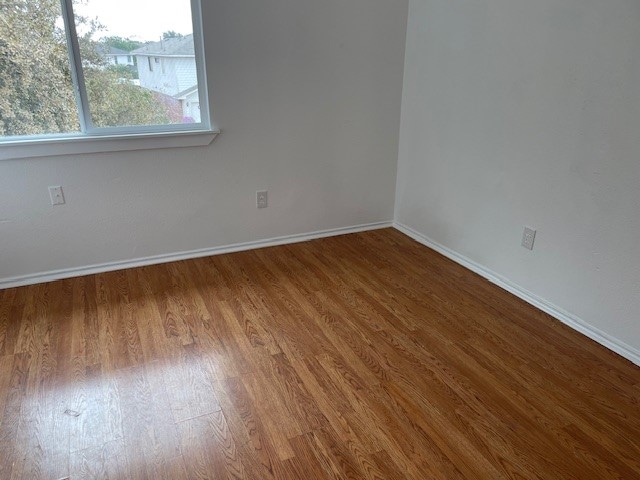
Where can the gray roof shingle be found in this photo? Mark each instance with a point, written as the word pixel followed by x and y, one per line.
pixel 182 46
pixel 109 50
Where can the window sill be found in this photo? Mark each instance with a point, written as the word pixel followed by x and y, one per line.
pixel 50 147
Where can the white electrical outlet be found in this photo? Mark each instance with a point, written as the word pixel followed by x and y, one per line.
pixel 57 195
pixel 262 199
pixel 528 238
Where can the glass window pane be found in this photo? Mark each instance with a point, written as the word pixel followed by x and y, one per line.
pixel 36 91
pixel 139 61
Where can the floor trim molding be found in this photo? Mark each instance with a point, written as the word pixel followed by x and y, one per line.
pixel 573 321
pixel 43 277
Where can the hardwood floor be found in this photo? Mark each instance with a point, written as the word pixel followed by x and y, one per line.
pixel 365 356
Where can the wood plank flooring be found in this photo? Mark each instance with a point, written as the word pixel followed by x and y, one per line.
pixel 364 356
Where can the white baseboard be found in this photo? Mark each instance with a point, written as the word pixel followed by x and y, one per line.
pixel 567 318
pixel 43 277
pixel 573 321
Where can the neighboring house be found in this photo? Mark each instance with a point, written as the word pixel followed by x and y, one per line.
pixel 190 102
pixel 117 56
pixel 169 67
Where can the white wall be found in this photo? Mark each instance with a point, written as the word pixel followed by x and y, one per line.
pixel 514 112
pixel 528 112
pixel 308 97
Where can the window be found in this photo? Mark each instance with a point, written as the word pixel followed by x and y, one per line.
pixel 56 79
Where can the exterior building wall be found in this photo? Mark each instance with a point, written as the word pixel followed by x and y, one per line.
pixel 191 107
pixel 169 75
pixel 157 74
pixel 185 71
pixel 120 60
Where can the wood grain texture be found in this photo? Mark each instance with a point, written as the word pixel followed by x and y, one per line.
pixel 365 356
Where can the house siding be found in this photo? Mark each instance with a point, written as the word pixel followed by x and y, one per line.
pixel 191 106
pixel 170 75
pixel 121 60
pixel 186 73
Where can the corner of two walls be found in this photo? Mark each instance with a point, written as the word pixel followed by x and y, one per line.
pixel 513 113
pixel 522 113
pixel 307 95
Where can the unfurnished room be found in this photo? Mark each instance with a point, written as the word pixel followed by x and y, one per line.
pixel 309 240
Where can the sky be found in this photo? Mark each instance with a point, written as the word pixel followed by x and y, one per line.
pixel 143 20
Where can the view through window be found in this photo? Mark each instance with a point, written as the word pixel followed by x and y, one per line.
pixel 134 67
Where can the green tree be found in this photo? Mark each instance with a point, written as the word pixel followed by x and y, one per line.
pixel 115 102
pixel 124 71
pixel 171 34
pixel 36 90
pixel 122 43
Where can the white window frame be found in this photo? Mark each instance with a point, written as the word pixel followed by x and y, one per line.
pixel 92 139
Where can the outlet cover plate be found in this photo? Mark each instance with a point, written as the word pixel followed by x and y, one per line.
pixel 528 238
pixel 262 199
pixel 57 195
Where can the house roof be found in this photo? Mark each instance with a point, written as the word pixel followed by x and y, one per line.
pixel 108 50
pixel 117 51
pixel 185 93
pixel 170 47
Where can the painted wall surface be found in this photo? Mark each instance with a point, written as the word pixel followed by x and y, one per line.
pixel 308 97
pixel 528 113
